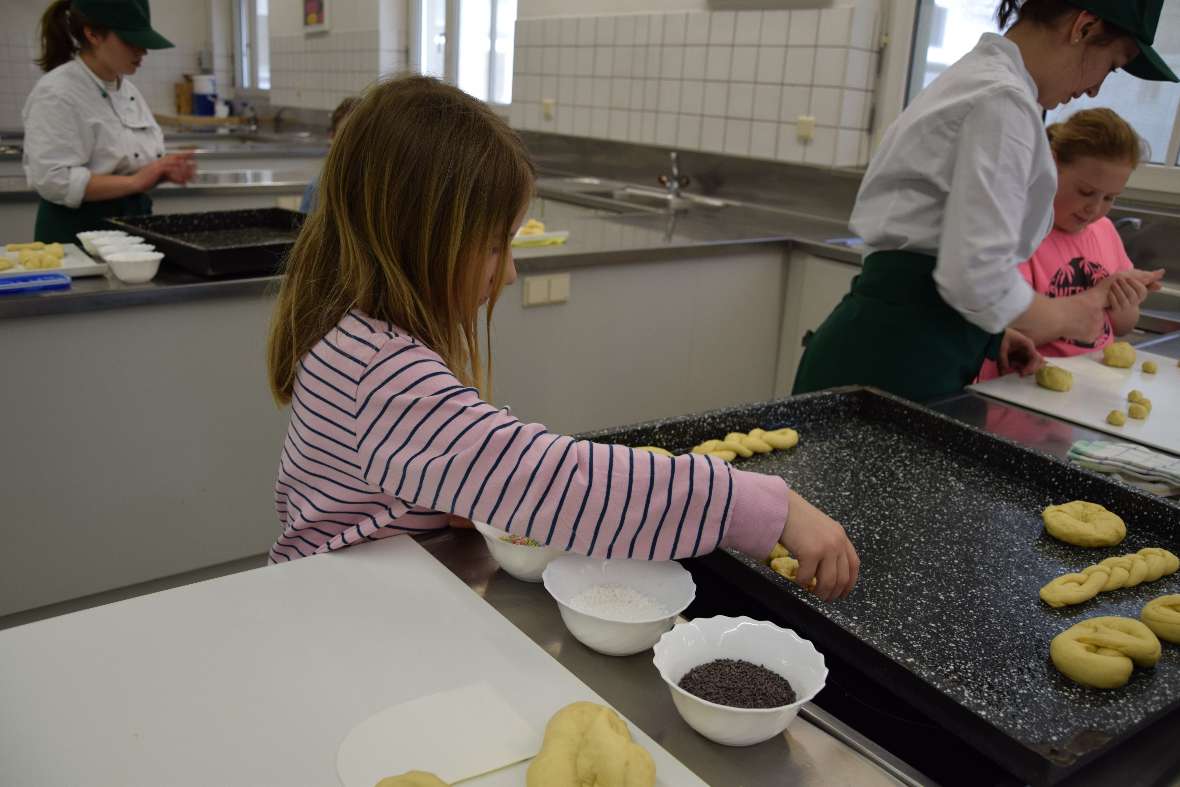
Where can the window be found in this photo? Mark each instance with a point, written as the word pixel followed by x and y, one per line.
pixel 947 29
pixel 481 64
pixel 252 36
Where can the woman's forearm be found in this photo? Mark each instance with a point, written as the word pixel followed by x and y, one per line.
pixel 1043 321
pixel 106 187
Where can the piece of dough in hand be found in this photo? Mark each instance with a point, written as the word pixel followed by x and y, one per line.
pixel 413 779
pixel 1101 652
pixel 588 745
pixel 1162 616
pixel 1054 378
pixel 1121 355
pixel 1084 524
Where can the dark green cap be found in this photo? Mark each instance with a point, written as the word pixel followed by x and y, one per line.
pixel 1139 19
pixel 130 20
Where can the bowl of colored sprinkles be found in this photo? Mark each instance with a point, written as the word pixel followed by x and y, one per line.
pixel 521 556
pixel 738 681
pixel 618 607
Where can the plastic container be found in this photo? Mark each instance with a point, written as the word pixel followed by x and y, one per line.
pixel 204 94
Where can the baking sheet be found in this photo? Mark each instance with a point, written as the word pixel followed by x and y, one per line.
pixel 947 522
pixel 1098 389
pixel 75 263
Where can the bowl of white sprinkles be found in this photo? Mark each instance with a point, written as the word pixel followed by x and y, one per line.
pixel 618 607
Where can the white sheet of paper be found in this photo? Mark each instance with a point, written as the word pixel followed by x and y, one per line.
pixel 456 735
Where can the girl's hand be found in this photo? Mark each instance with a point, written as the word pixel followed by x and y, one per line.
pixel 1018 353
pixel 1126 294
pixel 822 548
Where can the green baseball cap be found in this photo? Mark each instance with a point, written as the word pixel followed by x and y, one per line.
pixel 130 20
pixel 1138 19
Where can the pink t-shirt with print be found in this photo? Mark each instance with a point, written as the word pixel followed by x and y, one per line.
pixel 1065 265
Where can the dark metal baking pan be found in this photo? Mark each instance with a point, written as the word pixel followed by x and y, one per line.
pixel 947 521
pixel 220 243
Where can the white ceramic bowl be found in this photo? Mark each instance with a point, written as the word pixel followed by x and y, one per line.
pixel 135 267
pixel 780 650
pixel 666 582
pixel 111 244
pixel 523 562
pixel 107 251
pixel 88 239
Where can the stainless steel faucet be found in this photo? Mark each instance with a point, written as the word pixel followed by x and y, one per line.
pixel 675 181
pixel 278 119
pixel 1132 223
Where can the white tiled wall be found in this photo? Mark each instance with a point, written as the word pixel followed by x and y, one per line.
pixel 719 81
pixel 155 78
pixel 317 72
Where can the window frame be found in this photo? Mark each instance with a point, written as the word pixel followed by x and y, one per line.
pixel 245 32
pixel 417 16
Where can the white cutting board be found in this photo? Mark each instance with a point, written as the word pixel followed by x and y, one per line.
pixel 1098 389
pixel 74 263
pixel 256 678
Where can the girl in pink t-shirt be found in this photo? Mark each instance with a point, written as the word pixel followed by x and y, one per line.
pixel 1096 151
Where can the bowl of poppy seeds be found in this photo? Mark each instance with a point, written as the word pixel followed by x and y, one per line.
pixel 738 681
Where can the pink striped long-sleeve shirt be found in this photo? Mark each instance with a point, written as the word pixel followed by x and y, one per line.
pixel 385 440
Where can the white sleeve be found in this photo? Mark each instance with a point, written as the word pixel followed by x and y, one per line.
pixel 978 252
pixel 56 150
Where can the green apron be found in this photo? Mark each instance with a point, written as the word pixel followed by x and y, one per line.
pixel 59 224
pixel 894 331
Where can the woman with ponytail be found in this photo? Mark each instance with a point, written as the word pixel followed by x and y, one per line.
pixel 960 192
pixel 92 147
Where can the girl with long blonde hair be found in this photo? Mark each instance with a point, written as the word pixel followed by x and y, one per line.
pixel 374 345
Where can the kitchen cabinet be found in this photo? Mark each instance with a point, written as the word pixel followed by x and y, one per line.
pixel 814 286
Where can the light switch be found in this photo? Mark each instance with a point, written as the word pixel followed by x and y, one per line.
pixel 547 107
pixel 536 290
pixel 805 127
pixel 559 288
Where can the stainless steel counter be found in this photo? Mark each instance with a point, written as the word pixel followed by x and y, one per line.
pixel 15 187
pixel 816 750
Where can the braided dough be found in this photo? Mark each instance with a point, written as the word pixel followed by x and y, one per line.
pixel 1054 378
pixel 1119 354
pixel 1124 571
pixel 589 745
pixel 1101 652
pixel 1162 616
pixel 1084 524
pixel 758 441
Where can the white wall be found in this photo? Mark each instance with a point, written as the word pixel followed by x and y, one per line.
pixel 533 9
pixel 728 82
pixel 183 22
pixel 367 38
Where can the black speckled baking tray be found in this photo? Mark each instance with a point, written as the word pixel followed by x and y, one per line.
pixel 947 521
pixel 219 243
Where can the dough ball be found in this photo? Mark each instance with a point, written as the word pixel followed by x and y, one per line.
pixel 1101 652
pixel 655 450
pixel 1084 524
pixel 778 551
pixel 1054 378
pixel 1162 616
pixel 788 568
pixel 1116 418
pixel 6 263
pixel 1137 410
pixel 1149 367
pixel 588 745
pixel 1135 396
pixel 532 227
pixel 1119 354
pixel 413 779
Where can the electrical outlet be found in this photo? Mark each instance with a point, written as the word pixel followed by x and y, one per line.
pixel 559 288
pixel 805 127
pixel 547 107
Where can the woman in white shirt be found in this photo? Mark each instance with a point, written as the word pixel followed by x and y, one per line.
pixel 960 192
pixel 92 148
